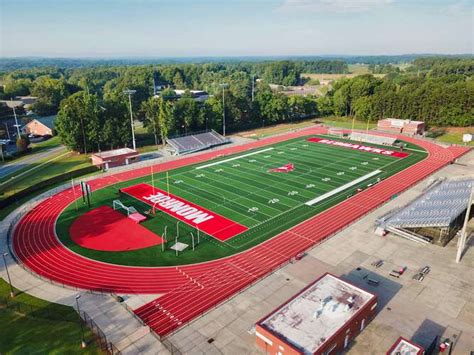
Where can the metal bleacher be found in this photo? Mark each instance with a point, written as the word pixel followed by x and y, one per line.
pixel 196 142
pixel 369 138
pixel 437 207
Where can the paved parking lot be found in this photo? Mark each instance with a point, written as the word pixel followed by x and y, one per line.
pixel 442 304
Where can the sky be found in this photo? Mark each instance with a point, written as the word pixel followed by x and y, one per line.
pixel 180 28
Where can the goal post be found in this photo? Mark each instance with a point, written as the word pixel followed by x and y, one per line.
pixel 117 204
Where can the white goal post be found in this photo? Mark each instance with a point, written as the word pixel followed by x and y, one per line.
pixel 117 204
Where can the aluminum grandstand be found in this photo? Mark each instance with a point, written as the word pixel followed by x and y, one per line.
pixel 369 138
pixel 435 216
pixel 196 142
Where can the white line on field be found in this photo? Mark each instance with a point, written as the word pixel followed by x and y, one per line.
pixel 342 188
pixel 234 158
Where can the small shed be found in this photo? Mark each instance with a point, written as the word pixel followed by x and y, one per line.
pixel 116 157
pixel 405 347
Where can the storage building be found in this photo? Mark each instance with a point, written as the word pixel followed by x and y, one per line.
pixel 116 157
pixel 321 319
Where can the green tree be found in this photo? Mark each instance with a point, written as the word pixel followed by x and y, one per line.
pixel 50 92
pixel 78 122
pixel 157 114
pixel 22 143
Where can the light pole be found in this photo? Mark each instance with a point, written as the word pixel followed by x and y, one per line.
pixel 12 106
pixel 12 292
pixel 130 93
pixel 223 86
pixel 253 87
pixel 83 342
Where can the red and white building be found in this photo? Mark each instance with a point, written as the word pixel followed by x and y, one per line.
pixel 116 157
pixel 401 126
pixel 322 319
pixel 405 347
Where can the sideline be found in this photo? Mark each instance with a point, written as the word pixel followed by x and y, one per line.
pixel 234 158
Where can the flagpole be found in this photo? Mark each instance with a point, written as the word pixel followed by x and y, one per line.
pixel 168 183
pixel 152 179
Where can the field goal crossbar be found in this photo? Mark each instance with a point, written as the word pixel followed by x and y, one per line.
pixel 337 132
pixel 117 204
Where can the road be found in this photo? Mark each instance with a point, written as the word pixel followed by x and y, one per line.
pixel 14 166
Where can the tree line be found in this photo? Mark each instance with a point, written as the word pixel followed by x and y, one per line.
pixel 93 110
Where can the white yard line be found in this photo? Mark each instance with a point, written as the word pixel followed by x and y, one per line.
pixel 234 158
pixel 342 188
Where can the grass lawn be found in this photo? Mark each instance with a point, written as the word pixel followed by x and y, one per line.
pixel 244 191
pixel 42 170
pixel 43 328
pixel 451 135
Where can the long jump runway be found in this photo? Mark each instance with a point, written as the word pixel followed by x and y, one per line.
pixel 193 289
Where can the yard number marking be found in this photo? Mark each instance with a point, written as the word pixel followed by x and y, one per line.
pixel 219 170
pixel 253 209
pixel 292 193
pixel 353 168
pixel 309 186
pixel 326 179
pixel 340 173
pixel 178 181
pixel 200 175
pixel 235 165
pixel 273 200
pixel 365 163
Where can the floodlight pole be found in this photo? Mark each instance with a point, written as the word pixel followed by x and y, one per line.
pixel 83 342
pixel 462 240
pixel 16 119
pixel 12 292
pixel 223 86
pixel 130 93
pixel 253 87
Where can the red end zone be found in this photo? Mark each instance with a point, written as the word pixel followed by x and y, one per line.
pixel 209 222
pixel 391 153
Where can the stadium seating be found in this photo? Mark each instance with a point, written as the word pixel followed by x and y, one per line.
pixel 195 142
pixel 369 138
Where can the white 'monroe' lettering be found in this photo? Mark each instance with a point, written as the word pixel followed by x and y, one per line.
pixel 180 208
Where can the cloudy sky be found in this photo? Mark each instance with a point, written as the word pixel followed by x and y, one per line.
pixel 234 27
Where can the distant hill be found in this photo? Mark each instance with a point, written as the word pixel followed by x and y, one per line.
pixel 9 64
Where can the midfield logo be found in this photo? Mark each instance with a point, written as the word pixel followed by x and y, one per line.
pixel 283 169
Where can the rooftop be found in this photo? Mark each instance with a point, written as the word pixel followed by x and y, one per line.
pixel 115 152
pixel 404 347
pixel 309 319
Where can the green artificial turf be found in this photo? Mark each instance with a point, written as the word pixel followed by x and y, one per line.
pixel 33 326
pixel 244 191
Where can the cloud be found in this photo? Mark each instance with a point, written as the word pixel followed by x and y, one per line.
pixel 333 5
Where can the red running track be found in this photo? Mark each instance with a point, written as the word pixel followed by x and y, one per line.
pixel 199 287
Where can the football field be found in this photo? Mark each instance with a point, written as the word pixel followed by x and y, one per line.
pixel 235 202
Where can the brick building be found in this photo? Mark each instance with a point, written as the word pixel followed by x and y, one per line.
pixel 401 126
pixel 41 126
pixel 321 319
pixel 116 157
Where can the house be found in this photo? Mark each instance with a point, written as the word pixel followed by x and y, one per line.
pixel 41 126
